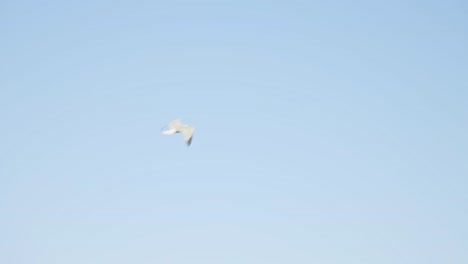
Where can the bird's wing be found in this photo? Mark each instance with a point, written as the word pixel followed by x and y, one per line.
pixel 169 132
pixel 187 131
pixel 175 124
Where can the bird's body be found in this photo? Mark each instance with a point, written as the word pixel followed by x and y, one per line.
pixel 177 127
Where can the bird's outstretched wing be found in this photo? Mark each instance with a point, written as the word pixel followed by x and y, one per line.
pixel 187 131
pixel 169 132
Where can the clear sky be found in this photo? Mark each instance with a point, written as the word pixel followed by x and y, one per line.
pixel 326 132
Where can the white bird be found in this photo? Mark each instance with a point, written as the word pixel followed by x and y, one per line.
pixel 177 127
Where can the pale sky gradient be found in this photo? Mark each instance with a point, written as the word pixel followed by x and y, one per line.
pixel 328 132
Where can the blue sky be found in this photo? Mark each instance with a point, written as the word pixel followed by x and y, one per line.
pixel 326 132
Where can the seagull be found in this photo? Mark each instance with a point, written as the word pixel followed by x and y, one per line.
pixel 177 127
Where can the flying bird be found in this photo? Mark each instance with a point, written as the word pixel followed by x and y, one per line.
pixel 177 127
